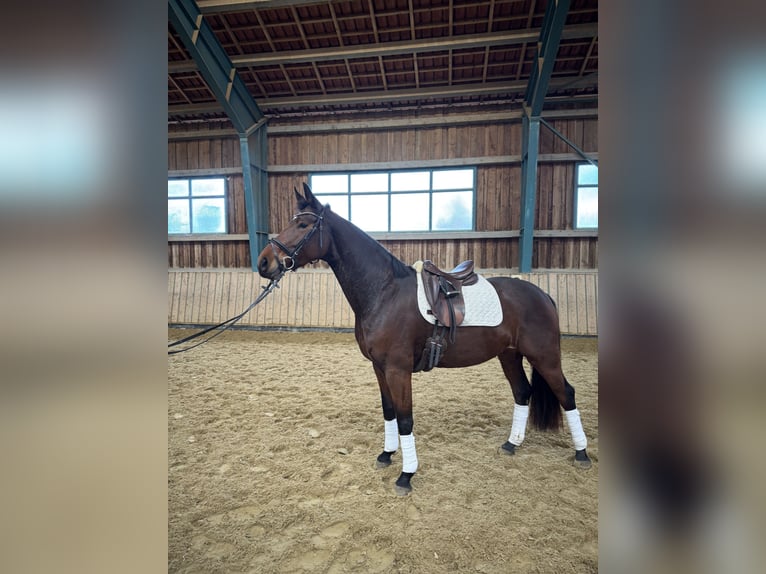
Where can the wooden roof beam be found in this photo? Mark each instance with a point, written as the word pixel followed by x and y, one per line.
pixel 588 55
pixel 463 90
pixel 219 6
pixel 395 48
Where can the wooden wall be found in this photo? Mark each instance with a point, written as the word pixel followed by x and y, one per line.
pixel 313 298
pixel 493 147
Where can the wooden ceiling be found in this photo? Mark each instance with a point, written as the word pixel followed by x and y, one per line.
pixel 299 57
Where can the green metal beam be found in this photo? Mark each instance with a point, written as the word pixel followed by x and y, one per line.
pixel 214 64
pixel 547 48
pixel 570 143
pixel 232 94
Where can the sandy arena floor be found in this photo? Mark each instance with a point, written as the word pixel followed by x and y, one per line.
pixel 272 443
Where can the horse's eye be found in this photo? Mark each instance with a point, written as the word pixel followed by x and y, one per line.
pixel 303 225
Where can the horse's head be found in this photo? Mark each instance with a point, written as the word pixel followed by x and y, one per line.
pixel 302 241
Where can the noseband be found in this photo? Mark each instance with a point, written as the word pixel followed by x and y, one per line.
pixel 291 254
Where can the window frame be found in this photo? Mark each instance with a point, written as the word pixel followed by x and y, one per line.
pixel 390 194
pixel 577 187
pixel 190 197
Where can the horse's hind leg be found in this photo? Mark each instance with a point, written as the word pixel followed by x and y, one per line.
pixel 548 379
pixel 390 428
pixel 575 428
pixel 513 369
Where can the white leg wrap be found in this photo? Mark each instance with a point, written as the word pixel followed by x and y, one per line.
pixel 575 427
pixel 392 436
pixel 409 456
pixel 519 426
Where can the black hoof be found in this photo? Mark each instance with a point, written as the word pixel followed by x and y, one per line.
pixel 509 447
pixel 384 459
pixel 581 459
pixel 402 485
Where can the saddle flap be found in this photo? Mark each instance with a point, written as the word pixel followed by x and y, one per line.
pixel 444 291
pixel 450 311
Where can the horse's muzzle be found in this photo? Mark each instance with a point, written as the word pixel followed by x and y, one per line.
pixel 268 267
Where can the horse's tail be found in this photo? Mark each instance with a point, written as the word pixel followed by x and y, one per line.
pixel 545 411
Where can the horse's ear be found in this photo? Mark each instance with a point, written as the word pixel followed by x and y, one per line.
pixel 301 200
pixel 310 199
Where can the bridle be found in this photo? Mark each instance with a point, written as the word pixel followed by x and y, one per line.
pixel 292 254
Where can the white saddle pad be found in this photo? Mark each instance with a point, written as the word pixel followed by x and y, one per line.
pixel 482 304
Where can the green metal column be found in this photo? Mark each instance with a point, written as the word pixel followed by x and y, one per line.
pixel 221 77
pixel 254 165
pixel 530 144
pixel 547 47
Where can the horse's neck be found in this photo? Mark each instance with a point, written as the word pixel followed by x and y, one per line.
pixel 362 266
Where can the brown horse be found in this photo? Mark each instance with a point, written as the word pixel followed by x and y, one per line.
pixel 392 334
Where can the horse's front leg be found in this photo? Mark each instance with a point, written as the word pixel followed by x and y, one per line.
pixel 399 382
pixel 390 428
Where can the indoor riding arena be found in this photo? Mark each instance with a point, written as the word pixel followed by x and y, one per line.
pixel 447 131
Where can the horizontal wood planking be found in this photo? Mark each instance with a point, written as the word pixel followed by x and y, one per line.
pixel 549 252
pixel 394 120
pixel 209 254
pixel 497 194
pixel 455 142
pixel 312 298
pixel 425 143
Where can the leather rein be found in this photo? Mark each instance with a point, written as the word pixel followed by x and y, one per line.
pixel 284 267
pixel 224 325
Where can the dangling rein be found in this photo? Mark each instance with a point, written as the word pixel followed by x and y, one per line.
pixel 284 267
pixel 273 284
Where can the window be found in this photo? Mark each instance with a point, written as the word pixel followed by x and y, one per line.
pixel 586 196
pixel 197 205
pixel 413 200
